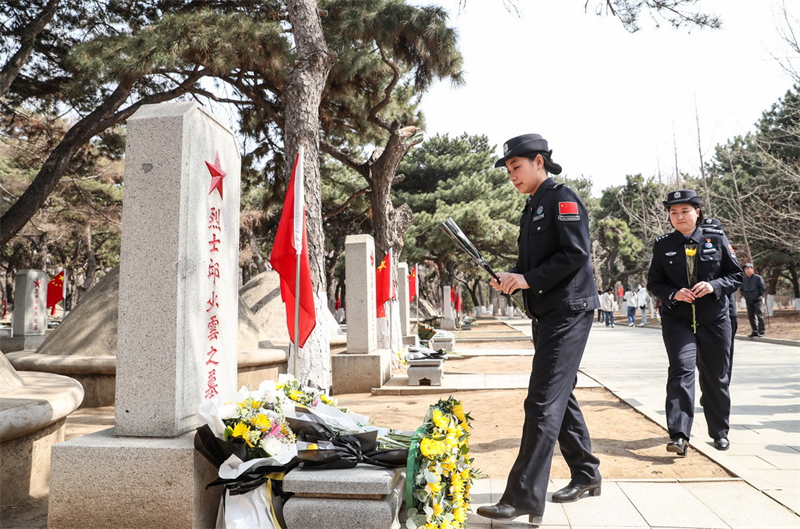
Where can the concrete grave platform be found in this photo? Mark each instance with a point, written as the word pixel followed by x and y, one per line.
pixel 33 411
pixel 367 497
pixel 425 372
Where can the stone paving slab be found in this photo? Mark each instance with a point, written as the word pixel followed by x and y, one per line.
pixel 398 384
pixel 662 504
pixel 471 353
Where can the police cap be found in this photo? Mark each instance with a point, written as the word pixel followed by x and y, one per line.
pixel 682 196
pixel 525 144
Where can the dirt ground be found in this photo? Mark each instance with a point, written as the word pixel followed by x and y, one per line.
pixel 629 445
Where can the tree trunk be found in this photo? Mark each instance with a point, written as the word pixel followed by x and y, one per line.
pixel 56 164
pixel 302 98
pixel 27 41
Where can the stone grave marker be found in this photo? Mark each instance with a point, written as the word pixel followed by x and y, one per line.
pixel 177 336
pixel 363 366
pixel 30 311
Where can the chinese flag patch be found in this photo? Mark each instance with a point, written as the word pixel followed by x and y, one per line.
pixel 567 208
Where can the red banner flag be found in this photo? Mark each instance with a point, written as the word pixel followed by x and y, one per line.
pixel 55 290
pixel 283 259
pixel 412 283
pixel 384 286
pixel 452 295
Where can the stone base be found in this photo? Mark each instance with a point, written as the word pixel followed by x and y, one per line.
pixel 425 375
pixel 448 324
pixel 360 372
pixel 411 339
pixel 19 343
pixel 440 342
pixel 365 497
pixel 25 463
pixel 100 480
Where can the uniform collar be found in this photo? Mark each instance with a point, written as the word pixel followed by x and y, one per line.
pixel 542 188
pixel 695 237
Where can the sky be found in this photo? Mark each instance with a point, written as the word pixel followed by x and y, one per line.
pixel 611 103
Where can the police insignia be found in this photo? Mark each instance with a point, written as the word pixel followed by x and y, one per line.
pixel 708 244
pixel 677 194
pixel 539 210
pixel 670 254
pixel 568 211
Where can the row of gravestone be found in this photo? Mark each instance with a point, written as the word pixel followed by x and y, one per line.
pixel 177 333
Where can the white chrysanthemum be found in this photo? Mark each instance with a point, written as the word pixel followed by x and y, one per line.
pixel 228 411
pixel 273 446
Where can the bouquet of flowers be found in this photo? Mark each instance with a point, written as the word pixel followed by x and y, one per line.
pixel 250 441
pixel 306 396
pixel 439 472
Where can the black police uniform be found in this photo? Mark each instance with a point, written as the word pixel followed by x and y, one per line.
pixel 716 224
pixel 709 348
pixel 555 259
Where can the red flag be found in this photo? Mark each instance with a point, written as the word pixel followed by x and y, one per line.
pixel 283 259
pixel 412 283
pixel 384 286
pixel 567 208
pixel 5 305
pixel 338 303
pixel 55 290
pixel 452 295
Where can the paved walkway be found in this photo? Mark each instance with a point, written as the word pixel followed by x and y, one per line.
pixel 765 442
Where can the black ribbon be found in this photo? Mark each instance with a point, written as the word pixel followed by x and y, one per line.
pixel 217 451
pixel 348 450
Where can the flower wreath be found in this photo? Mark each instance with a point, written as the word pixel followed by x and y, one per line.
pixel 440 473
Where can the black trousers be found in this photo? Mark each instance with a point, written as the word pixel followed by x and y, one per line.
pixel 709 350
pixel 552 413
pixel 734 328
pixel 755 313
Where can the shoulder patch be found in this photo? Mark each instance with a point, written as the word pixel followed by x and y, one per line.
pixel 555 185
pixel 713 230
pixel 662 237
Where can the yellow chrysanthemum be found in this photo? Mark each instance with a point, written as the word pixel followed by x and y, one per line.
pixel 240 430
pixel 460 515
pixel 255 404
pixel 431 448
pixel 437 509
pixel 295 395
pixel 262 422
pixel 433 488
pixel 439 419
pixel 458 411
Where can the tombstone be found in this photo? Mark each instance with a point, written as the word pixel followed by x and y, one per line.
pixel 362 366
pixel 177 335
pixel 408 337
pixel 29 319
pixel 448 314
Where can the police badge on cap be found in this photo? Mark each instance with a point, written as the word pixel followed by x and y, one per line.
pixel 682 196
pixel 525 144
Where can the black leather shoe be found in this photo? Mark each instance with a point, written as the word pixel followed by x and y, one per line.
pixel 504 511
pixel 753 335
pixel 722 444
pixel 678 445
pixel 574 491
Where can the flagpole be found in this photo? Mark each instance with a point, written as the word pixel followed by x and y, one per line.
pixel 418 267
pixel 299 211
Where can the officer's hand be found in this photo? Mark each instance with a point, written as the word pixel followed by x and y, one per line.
pixel 510 282
pixel 702 288
pixel 684 294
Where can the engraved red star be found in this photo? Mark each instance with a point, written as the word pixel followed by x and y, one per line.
pixel 371 260
pixel 217 174
pixel 37 282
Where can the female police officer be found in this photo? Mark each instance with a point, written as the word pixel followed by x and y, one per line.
pixel 554 270
pixel 693 271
